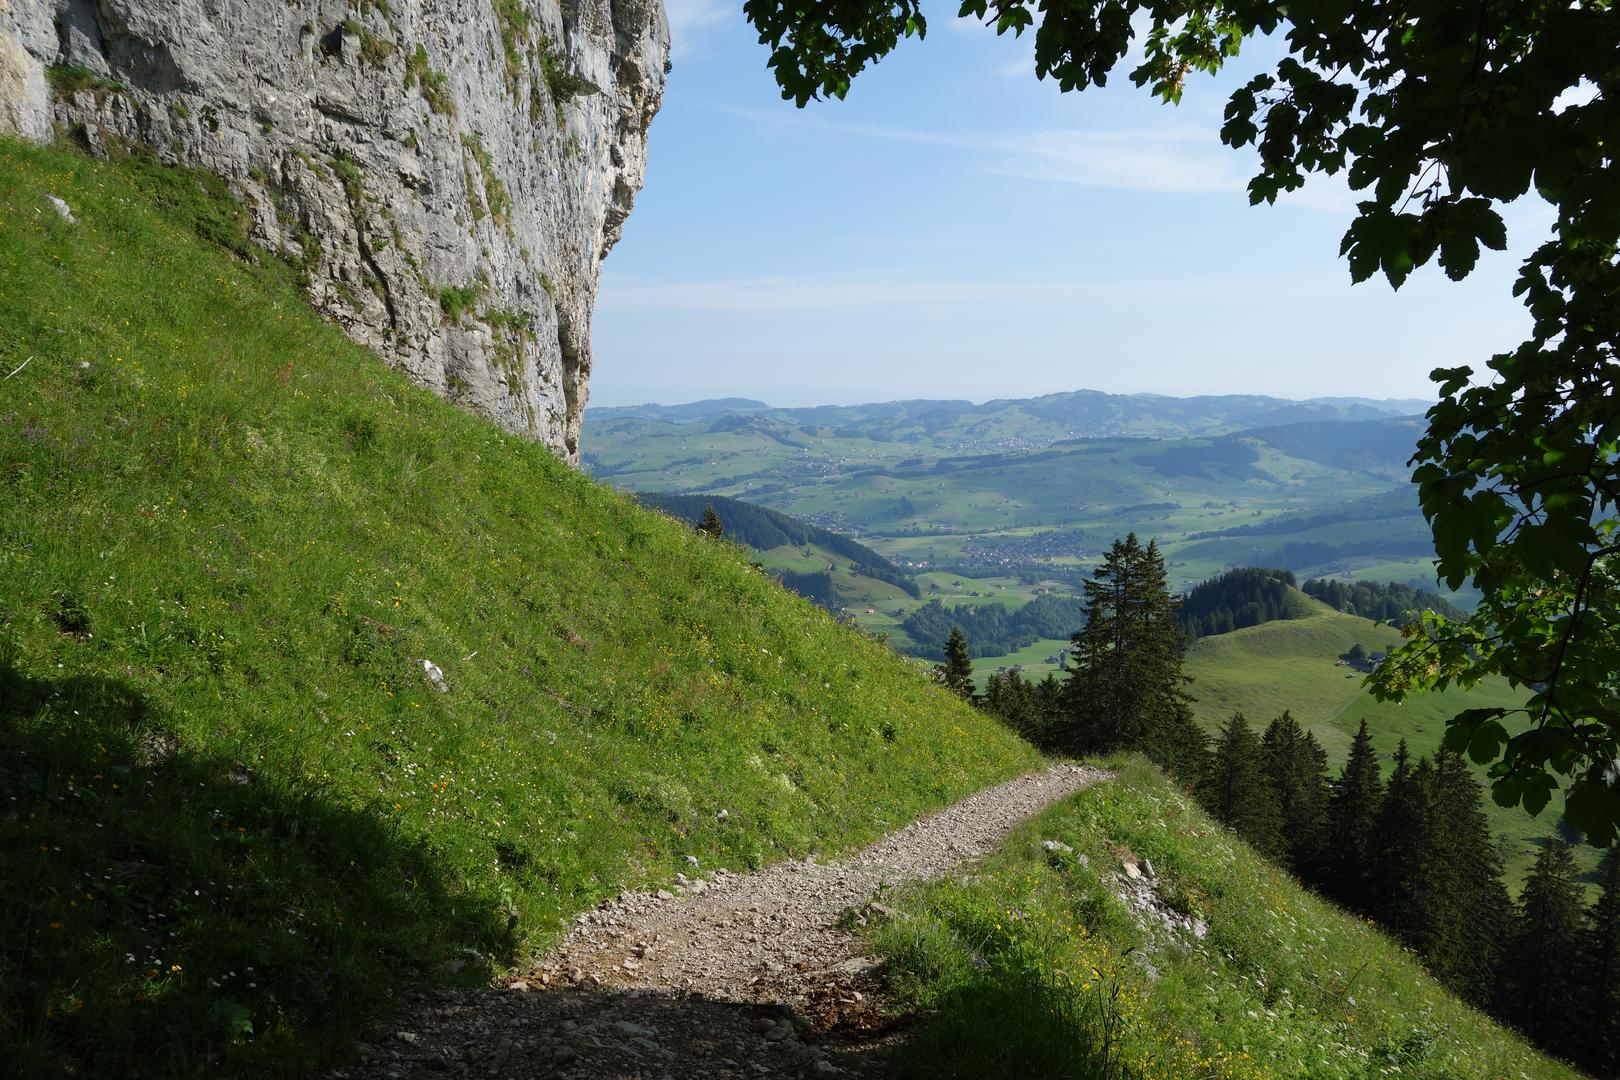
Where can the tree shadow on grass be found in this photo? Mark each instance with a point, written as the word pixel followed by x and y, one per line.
pixel 167 913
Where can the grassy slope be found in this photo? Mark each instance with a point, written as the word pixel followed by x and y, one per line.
pixel 853 588
pixel 1033 968
pixel 239 814
pixel 1262 670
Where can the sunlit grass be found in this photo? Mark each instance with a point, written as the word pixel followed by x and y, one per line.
pixel 1033 966
pixel 239 816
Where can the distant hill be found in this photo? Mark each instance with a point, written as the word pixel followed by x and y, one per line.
pixel 1350 444
pixel 1324 540
pixel 1386 601
pixel 709 409
pixel 768 531
pixel 1021 422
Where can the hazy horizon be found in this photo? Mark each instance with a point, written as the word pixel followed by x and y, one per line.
pixel 594 403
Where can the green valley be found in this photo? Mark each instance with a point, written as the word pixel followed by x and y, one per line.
pixel 1320 497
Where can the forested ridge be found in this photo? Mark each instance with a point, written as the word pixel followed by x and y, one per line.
pixel 993 630
pixel 1389 602
pixel 762 529
pixel 1239 598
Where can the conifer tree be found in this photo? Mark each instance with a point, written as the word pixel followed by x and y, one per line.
pixel 1352 810
pixel 1404 890
pixel 1297 767
pixel 1601 975
pixel 1126 689
pixel 1238 792
pixel 1049 700
pixel 1538 990
pixel 1012 698
pixel 957 671
pixel 710 525
pixel 1473 904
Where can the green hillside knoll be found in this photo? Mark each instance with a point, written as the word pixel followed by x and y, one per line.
pixel 1263 670
pixel 241 815
pixel 1034 660
pixel 852 586
pixel 1034 967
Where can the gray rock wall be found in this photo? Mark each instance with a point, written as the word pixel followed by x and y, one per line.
pixel 450 172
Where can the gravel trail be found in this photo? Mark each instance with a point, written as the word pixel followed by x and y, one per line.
pixel 723 976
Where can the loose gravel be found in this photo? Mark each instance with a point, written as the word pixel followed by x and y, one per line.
pixel 722 975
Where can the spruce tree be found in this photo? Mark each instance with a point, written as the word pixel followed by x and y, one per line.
pixel 1474 907
pixel 957 671
pixel 1539 987
pixel 1012 698
pixel 1126 689
pixel 1297 767
pixel 1405 894
pixel 1600 1052
pixel 1238 792
pixel 1049 702
pixel 1352 810
pixel 710 525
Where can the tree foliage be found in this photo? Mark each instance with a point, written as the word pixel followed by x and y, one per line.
pixel 957 672
pixel 1386 601
pixel 1297 767
pixel 1126 689
pixel 1437 114
pixel 1540 978
pixel 1238 598
pixel 993 629
pixel 1602 974
pixel 1352 810
pixel 1238 792
pixel 1028 708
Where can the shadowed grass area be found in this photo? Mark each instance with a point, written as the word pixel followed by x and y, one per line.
pixel 229 539
pixel 1033 967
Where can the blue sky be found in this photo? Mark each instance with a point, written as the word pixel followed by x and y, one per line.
pixel 957 228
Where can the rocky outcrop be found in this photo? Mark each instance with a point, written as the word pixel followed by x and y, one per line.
pixel 450 173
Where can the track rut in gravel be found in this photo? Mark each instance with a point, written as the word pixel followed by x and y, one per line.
pixel 723 975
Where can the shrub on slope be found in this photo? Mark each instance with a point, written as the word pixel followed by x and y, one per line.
pixel 240 813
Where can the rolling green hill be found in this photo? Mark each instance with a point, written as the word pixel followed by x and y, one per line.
pixel 310 683
pixel 1263 670
pixel 1005 423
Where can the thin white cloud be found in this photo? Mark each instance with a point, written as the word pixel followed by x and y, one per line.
pixel 843 293
pixel 691 20
pixel 1139 161
pixel 1168 158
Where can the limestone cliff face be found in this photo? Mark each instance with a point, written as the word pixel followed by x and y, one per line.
pixel 451 172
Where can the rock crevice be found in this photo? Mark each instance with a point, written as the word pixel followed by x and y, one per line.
pixel 450 173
